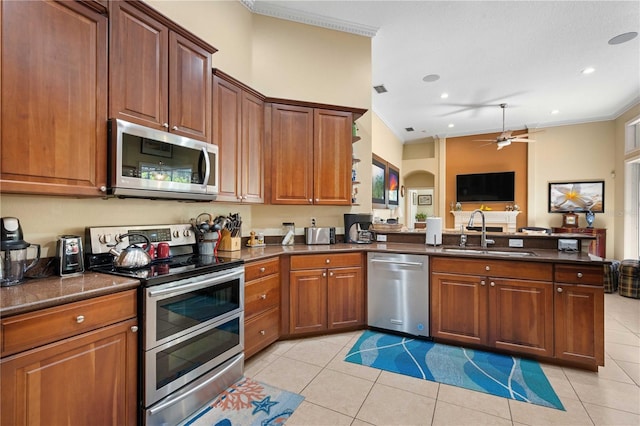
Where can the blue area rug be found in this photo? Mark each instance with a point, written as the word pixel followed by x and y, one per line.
pixel 248 402
pixel 495 374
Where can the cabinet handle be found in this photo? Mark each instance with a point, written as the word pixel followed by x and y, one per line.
pixel 317 200
pixel 134 328
pixel 487 268
pixel 263 296
pixel 327 261
pixel 579 274
pixel 310 201
pixel 559 290
pixel 262 332
pixel 80 319
pixel 324 274
pixel 262 269
pixel 165 125
pixel 174 128
pixel 330 274
pixel 492 284
pixel 103 188
pixel 482 282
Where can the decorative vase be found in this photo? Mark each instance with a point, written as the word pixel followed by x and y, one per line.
pixel 590 217
pixel 458 207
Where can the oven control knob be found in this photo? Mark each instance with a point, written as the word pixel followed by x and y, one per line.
pixel 186 233
pixel 176 234
pixel 105 239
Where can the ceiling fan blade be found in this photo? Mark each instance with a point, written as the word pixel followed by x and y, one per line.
pixel 517 139
pixel 484 140
pixel 487 144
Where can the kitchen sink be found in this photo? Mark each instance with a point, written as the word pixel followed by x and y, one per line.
pixel 489 251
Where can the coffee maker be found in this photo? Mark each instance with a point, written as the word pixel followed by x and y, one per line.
pixel 13 258
pixel 356 228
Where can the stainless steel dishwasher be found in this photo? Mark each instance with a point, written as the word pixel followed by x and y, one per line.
pixel 398 292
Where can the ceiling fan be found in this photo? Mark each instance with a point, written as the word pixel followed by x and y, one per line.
pixel 505 138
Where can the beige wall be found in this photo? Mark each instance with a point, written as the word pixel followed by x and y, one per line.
pixel 568 153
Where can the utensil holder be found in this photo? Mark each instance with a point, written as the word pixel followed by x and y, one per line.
pixel 229 243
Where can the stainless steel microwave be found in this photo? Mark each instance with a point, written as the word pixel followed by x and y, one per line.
pixel 150 163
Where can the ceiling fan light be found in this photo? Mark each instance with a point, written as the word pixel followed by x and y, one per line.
pixel 502 144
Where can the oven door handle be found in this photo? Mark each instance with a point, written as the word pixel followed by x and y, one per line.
pixel 157 292
pixel 170 401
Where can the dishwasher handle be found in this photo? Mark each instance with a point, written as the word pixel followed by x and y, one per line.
pixel 396 262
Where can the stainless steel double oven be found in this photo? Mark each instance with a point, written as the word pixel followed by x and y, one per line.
pixel 192 318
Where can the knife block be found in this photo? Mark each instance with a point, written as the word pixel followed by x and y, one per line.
pixel 229 243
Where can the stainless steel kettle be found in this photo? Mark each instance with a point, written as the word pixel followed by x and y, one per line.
pixel 132 256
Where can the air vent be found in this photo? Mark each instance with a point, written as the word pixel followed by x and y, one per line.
pixel 409 129
pixel 380 89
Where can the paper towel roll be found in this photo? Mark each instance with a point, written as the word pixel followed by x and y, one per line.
pixel 434 231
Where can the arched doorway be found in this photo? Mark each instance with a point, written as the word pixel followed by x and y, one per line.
pixel 420 197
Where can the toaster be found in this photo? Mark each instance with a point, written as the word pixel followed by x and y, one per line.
pixel 320 235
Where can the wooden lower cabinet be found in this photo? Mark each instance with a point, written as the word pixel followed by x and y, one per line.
pixel 579 314
pixel 494 310
pixel 326 298
pixel 553 311
pixel 89 378
pixel 459 308
pixel 262 305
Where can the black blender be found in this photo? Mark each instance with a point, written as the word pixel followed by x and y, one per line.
pixel 14 257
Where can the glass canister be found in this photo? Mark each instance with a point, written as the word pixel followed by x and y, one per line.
pixel 288 232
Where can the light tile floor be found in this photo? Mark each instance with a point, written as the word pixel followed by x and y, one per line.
pixel 341 393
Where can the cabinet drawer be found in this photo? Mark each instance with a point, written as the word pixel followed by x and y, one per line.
pixel 261 294
pixel 494 268
pixel 261 331
pixel 261 268
pixel 312 261
pixel 580 274
pixel 26 331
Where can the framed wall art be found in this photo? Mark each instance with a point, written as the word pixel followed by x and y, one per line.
pixel 576 197
pixel 385 183
pixel 425 200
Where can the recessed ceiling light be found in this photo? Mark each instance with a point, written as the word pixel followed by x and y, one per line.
pixel 450 124
pixel 444 96
pixel 409 129
pixel 588 70
pixel 623 38
pixel 380 88
pixel 431 78
pixel 555 111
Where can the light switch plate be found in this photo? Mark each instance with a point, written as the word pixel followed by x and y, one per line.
pixel 381 237
pixel 516 242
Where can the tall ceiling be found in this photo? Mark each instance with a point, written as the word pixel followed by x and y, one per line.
pixel 527 54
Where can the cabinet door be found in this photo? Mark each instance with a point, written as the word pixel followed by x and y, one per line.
pixel 252 153
pixel 189 88
pixel 138 67
pixel 227 125
pixel 308 303
pixel 332 157
pixel 53 95
pixel 459 308
pixel 579 323
pixel 291 155
pixel 521 316
pixel 87 379
pixel 345 297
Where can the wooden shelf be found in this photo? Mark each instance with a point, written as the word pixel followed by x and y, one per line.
pixel 355 182
pixel 355 139
pixel 355 160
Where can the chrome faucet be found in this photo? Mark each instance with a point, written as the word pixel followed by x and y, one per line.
pixel 483 239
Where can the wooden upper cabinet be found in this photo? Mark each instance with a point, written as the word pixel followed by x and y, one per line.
pixel 159 77
pixel 332 153
pixel 238 130
pixel 291 154
pixel 310 155
pixel 54 98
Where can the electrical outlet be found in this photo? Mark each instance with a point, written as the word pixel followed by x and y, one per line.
pixel 313 222
pixel 381 237
pixel 516 242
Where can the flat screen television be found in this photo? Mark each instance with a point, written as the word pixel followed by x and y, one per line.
pixel 576 197
pixel 485 187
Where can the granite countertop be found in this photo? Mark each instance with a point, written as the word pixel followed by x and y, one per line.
pixel 40 293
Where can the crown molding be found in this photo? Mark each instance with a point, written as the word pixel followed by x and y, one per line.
pixel 274 11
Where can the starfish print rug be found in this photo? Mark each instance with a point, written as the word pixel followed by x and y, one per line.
pixel 247 402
